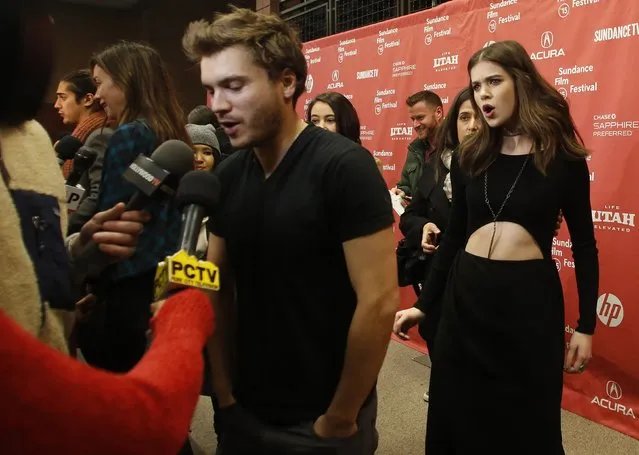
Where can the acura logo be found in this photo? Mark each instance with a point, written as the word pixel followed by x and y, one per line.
pixel 335 75
pixel 547 39
pixel 309 83
pixel 614 390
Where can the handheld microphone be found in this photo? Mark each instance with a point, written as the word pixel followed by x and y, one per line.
pixel 197 195
pixel 154 178
pixel 158 176
pixel 66 148
pixel 82 161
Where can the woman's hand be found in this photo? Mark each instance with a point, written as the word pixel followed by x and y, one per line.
pixel 579 353
pixel 115 231
pixel 430 234
pixel 405 320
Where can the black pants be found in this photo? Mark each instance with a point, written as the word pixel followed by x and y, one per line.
pixel 114 335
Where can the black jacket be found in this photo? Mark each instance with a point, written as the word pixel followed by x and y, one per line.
pixel 97 141
pixel 429 205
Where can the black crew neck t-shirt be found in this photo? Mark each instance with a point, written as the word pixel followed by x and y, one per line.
pixel 294 297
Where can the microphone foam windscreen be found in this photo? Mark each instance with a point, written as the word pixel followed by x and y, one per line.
pixel 199 187
pixel 174 156
pixel 67 147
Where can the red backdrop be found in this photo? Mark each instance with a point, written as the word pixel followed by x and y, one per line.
pixel 589 50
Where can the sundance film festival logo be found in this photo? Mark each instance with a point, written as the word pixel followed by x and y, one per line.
pixel 610 310
pixel 312 60
pixel 379 102
pixel 612 402
pixel 563 10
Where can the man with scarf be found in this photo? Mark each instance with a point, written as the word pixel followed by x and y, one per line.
pixel 76 105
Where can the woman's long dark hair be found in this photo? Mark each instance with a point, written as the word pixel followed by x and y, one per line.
pixel 345 114
pixel 446 137
pixel 139 71
pixel 541 111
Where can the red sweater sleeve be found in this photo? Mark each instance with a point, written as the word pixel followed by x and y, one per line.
pixel 53 404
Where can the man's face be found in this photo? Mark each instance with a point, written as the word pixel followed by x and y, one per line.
pixel 68 107
pixel 425 119
pixel 248 105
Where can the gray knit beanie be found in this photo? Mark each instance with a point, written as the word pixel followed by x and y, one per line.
pixel 203 135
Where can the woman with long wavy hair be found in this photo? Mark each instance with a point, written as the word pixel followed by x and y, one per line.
pixel 500 354
pixel 136 90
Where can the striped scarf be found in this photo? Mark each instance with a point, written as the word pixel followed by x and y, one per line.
pixel 82 131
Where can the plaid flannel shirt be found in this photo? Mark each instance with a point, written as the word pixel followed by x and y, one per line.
pixel 160 235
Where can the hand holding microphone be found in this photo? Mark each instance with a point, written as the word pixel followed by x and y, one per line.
pixel 197 195
pixel 82 161
pixel 155 178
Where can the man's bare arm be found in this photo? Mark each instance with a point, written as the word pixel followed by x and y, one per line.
pixel 219 346
pixel 372 267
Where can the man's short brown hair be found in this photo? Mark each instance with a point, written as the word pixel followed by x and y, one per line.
pixel 274 44
pixel 429 98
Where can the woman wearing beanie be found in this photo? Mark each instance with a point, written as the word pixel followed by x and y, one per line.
pixel 205 145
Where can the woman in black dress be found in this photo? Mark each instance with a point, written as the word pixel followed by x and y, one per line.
pixel 500 355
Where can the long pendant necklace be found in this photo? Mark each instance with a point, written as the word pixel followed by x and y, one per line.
pixel 503 204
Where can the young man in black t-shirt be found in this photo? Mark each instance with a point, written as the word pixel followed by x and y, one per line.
pixel 303 238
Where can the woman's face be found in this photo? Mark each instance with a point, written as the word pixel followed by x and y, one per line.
pixel 323 116
pixel 204 158
pixel 467 121
pixel 494 92
pixel 109 95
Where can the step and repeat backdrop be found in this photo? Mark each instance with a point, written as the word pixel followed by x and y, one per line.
pixel 589 50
